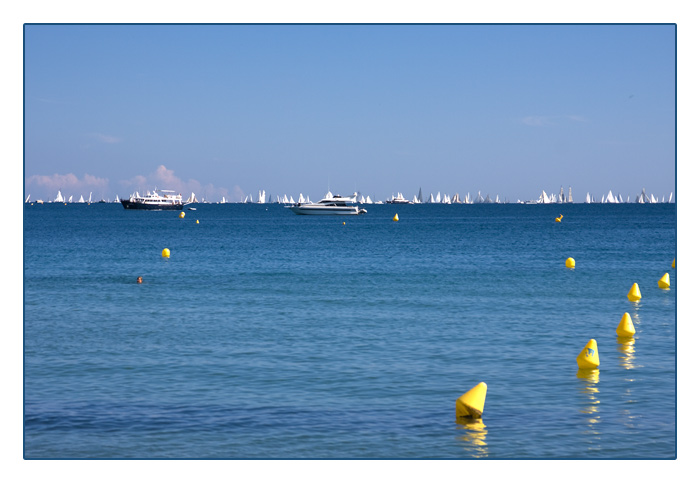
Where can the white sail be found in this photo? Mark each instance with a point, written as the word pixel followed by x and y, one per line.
pixel 27 200
pixel 437 198
pixel 81 200
pixel 301 198
pixel 261 196
pixel 415 199
pixel 368 200
pixel 588 198
pixel 670 197
pixel 90 198
pixel 70 199
pixel 544 198
pixel 432 198
pixel 468 199
pixel 59 198
pixel 610 198
pixel 653 199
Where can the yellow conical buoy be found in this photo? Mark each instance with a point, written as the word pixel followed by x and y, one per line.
pixel 570 263
pixel 182 214
pixel 558 220
pixel 343 223
pixel 588 358
pixel 166 253
pixel 634 294
pixel 198 222
pixel 665 282
pixel 396 217
pixel 471 403
pixel 673 263
pixel 625 327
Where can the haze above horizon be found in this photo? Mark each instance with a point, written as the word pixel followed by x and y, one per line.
pixel 228 110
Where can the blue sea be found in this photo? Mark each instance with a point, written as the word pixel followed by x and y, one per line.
pixel 269 335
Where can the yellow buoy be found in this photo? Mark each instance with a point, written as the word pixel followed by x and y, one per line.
pixel 343 223
pixel 665 282
pixel 165 253
pixel 558 220
pixel 396 217
pixel 588 358
pixel 673 264
pixel 182 214
pixel 198 222
pixel 570 263
pixel 625 328
pixel 471 403
pixel 634 294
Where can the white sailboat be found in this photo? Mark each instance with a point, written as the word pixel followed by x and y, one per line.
pixel 544 198
pixel 670 197
pixel 59 198
pixel 610 198
pixel 368 200
pixel 81 200
pixel 70 199
pixel 432 198
pixel 27 200
pixel 261 196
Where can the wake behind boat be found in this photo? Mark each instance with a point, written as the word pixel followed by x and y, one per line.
pixel 329 205
pixel 158 200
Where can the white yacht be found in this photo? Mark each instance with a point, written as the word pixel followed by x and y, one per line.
pixel 398 200
pixel 157 200
pixel 329 205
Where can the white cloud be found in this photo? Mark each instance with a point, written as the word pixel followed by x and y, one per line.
pixel 67 183
pixel 550 120
pixel 106 138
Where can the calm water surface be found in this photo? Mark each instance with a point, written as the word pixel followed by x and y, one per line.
pixel 268 335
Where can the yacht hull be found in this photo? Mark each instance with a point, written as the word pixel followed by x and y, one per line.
pixel 131 205
pixel 326 210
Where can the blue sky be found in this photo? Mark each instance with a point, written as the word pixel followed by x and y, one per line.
pixel 227 110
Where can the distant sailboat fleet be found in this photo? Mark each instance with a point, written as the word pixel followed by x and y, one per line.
pixel 442 198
